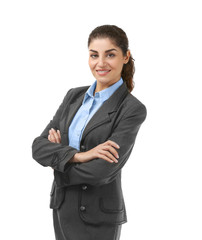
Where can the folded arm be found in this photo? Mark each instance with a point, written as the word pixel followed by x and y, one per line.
pixel 47 153
pixel 98 171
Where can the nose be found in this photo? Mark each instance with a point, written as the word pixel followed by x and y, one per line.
pixel 101 62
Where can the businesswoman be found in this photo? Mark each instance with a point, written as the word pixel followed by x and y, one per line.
pixel 89 140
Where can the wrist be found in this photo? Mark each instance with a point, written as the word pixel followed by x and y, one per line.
pixel 75 158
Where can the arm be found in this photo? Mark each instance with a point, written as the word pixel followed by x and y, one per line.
pixel 98 171
pixel 52 154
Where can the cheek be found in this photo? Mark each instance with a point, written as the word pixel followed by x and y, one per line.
pixel 91 64
pixel 116 64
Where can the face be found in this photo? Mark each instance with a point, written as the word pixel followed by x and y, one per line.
pixel 106 61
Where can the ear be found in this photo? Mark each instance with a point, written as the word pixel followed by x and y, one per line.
pixel 127 57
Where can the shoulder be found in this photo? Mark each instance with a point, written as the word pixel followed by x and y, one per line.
pixel 132 101
pixel 133 106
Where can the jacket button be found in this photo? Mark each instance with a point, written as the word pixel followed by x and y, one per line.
pixel 83 147
pixel 84 187
pixel 82 208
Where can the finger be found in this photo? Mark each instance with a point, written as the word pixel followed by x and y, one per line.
pixel 56 137
pixel 49 138
pixel 111 156
pixel 104 157
pixel 112 143
pixel 58 131
pixel 52 137
pixel 112 150
pixel 108 155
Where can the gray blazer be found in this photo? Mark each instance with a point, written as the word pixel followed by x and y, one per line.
pixel 97 183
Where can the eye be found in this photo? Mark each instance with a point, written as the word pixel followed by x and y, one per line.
pixel 111 55
pixel 94 55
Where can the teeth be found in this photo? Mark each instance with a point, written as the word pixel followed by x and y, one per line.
pixel 103 71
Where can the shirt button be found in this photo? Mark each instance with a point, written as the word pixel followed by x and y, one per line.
pixel 84 187
pixel 82 208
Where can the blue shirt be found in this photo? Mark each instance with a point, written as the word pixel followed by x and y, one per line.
pixel 88 108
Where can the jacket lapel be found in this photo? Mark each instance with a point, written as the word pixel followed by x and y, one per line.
pixel 71 111
pixel 109 106
pixel 103 113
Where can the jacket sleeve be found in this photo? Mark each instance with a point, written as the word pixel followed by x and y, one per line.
pixel 99 171
pixel 54 155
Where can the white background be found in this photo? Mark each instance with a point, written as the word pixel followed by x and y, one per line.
pixel 43 53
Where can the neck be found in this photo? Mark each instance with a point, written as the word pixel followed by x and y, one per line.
pixel 100 87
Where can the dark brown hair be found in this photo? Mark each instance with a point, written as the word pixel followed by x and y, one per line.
pixel 119 38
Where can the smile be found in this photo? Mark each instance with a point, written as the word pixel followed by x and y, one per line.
pixel 103 72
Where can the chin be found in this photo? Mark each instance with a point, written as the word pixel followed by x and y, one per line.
pixel 103 80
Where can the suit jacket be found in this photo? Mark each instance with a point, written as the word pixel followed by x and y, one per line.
pixel 97 183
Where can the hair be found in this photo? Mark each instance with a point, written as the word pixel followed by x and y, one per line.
pixel 119 38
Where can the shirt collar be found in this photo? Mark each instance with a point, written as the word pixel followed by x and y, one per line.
pixel 104 94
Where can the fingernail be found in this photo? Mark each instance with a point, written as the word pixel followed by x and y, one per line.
pixel 118 146
pixel 117 156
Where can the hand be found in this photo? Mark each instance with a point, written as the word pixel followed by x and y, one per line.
pixel 105 151
pixel 54 136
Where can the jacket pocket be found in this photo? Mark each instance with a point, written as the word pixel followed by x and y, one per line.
pixel 104 208
pixel 57 196
pixel 104 213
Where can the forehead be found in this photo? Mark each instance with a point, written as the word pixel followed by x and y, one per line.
pixel 102 44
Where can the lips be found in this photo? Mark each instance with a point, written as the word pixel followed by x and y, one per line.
pixel 102 72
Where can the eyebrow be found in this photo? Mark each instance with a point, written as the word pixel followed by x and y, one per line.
pixel 113 49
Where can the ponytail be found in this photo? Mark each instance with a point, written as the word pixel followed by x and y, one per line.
pixel 127 74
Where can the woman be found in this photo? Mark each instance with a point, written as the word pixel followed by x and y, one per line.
pixel 89 140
